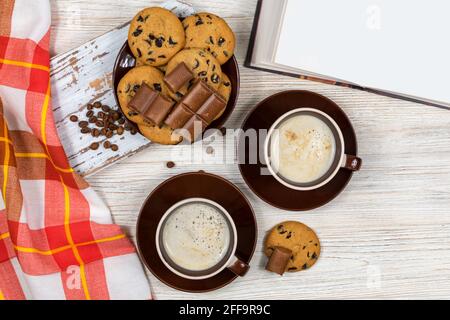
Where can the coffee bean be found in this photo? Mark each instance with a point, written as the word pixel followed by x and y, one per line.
pixel 90 106
pixel 85 130
pixel 121 121
pixel 74 118
pixel 83 124
pixel 116 116
pixel 100 123
pixel 170 164
pixel 112 127
pixel 95 133
pixel 90 113
pixel 109 134
pixel 100 114
pixel 120 131
pixel 103 132
pixel 97 105
pixel 106 108
pixel 94 146
pixel 93 119
pixel 114 147
pixel 133 131
pixel 107 144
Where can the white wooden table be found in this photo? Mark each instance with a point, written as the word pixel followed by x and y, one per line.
pixel 386 236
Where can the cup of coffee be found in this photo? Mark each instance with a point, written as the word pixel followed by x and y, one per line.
pixel 305 149
pixel 197 239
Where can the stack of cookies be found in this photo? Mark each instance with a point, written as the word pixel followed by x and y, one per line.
pixel 160 43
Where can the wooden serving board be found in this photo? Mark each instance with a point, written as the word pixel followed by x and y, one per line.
pixel 84 75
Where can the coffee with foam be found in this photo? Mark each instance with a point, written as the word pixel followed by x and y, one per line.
pixel 196 236
pixel 302 149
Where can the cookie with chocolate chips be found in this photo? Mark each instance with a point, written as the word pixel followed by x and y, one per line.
pixel 297 237
pixel 132 82
pixel 208 31
pixel 203 66
pixel 155 36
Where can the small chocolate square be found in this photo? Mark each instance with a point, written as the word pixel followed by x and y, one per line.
pixel 178 117
pixel 195 127
pixel 211 108
pixel 198 95
pixel 158 110
pixel 178 77
pixel 143 98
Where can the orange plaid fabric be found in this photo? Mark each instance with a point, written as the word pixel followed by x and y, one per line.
pixel 57 240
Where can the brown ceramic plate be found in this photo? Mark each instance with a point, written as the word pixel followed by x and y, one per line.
pixel 195 185
pixel 267 187
pixel 125 62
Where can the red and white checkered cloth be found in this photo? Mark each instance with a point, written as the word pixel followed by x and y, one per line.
pixel 57 240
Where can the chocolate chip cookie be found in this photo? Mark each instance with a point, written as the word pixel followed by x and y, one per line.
pixel 202 64
pixel 297 237
pixel 132 82
pixel 208 31
pixel 155 36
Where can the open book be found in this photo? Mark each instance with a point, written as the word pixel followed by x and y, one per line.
pixel 398 48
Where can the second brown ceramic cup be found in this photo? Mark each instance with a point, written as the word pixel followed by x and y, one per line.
pixel 229 261
pixel 341 160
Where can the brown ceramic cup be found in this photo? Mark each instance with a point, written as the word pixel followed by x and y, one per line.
pixel 229 260
pixel 340 159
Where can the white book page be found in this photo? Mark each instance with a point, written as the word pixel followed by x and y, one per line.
pixel 400 46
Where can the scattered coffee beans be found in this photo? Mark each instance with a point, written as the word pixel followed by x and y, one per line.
pixel 94 146
pixel 107 122
pixel 170 164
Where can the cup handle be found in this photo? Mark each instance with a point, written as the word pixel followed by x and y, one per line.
pixel 239 268
pixel 352 163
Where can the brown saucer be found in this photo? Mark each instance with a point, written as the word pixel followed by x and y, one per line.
pixel 267 187
pixel 125 62
pixel 193 185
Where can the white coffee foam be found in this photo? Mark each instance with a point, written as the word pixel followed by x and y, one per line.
pixel 196 236
pixel 302 149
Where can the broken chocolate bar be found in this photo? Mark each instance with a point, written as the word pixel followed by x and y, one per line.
pixel 201 104
pixel 178 77
pixel 151 105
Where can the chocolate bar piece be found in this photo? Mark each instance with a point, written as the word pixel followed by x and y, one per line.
pixel 179 116
pixel 211 108
pixel 195 127
pixel 143 98
pixel 178 77
pixel 151 105
pixel 201 104
pixel 278 261
pixel 197 96
pixel 158 110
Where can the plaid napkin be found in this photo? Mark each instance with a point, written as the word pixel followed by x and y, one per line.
pixel 57 240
